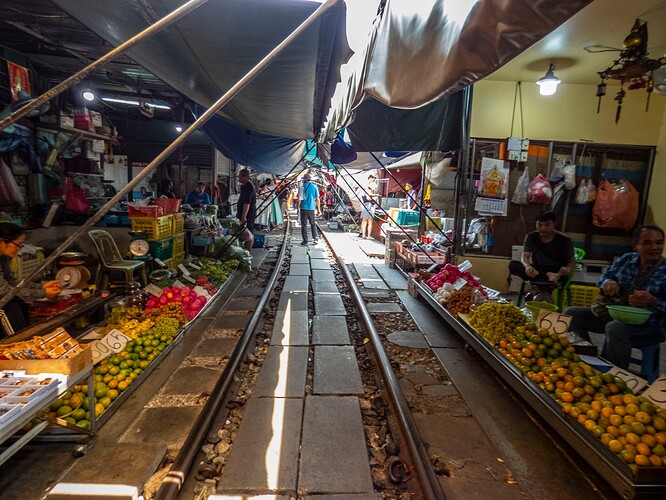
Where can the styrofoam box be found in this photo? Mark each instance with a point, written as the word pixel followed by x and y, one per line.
pixel 8 413
pixel 6 392
pixel 5 374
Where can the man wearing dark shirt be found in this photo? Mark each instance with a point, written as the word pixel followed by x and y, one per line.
pixel 547 254
pixel 246 210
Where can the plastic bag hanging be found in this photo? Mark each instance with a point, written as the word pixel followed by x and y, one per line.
pixel 616 206
pixel 581 193
pixel 569 171
pixel 591 190
pixel 522 188
pixel 540 190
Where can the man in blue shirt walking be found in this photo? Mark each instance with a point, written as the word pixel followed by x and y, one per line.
pixel 309 205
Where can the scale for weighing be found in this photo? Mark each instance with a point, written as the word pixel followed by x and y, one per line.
pixel 73 275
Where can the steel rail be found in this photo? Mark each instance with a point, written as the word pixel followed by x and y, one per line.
pixel 190 449
pixel 424 469
pixel 80 75
pixel 237 87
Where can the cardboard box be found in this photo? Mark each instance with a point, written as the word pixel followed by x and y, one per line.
pixel 66 121
pixel 67 366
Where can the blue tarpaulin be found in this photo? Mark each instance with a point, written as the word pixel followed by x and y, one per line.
pixel 265 153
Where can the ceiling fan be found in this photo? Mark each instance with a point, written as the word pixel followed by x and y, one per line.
pixel 634 67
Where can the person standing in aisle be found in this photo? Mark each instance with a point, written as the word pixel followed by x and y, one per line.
pixel 246 210
pixel 309 205
pixel 199 197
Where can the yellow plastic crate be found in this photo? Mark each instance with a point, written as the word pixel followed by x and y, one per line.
pixel 156 228
pixel 176 260
pixel 178 243
pixel 583 295
pixel 178 225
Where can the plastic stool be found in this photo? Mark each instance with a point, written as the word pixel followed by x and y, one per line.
pixel 649 361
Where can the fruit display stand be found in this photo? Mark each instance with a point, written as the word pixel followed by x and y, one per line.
pixel 649 482
pixel 414 260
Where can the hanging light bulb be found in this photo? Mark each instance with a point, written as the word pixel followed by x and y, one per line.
pixel 549 82
pixel 88 95
pixel 179 129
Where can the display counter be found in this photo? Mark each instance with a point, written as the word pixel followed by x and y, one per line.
pixel 647 482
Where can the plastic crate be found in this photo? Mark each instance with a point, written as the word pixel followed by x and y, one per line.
pixel 111 220
pixel 583 295
pixel 125 220
pixel 259 241
pixel 161 249
pixel 170 205
pixel 156 228
pixel 178 243
pixel 408 218
pixel 176 260
pixel 178 225
pixel 24 265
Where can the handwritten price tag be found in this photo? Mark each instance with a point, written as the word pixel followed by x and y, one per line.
pixel 657 392
pixel 459 283
pixel 184 270
pixel 153 290
pixel 194 266
pixel 178 283
pixel 553 321
pixel 159 262
pixel 634 382
pixel 189 278
pixel 114 341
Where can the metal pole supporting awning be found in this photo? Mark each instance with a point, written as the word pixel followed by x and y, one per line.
pixel 235 89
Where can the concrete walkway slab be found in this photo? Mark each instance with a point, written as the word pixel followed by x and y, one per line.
pixel 324 287
pixel 290 328
pixel 319 264
pixel 299 270
pixel 392 277
pixel 168 426
pixel 369 293
pixel 336 370
pixel 428 321
pixel 264 457
pixel 215 347
pixel 334 457
pixel 322 275
pixel 232 321
pixel 316 253
pixel 330 330
pixel 296 284
pixel 94 468
pixel 296 249
pixel 300 259
pixel 415 340
pixel 383 307
pixel 374 283
pixel 293 301
pixel 329 305
pixel 283 373
pixel 191 380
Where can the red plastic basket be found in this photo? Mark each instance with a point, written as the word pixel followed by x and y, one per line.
pixel 170 205
pixel 149 211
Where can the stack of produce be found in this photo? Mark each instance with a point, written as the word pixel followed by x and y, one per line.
pixel 114 374
pixel 133 328
pixel 215 271
pixel 494 321
pixel 451 274
pixel 460 301
pixel 186 297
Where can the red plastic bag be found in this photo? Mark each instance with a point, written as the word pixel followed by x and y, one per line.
pixel 616 206
pixel 75 198
pixel 540 190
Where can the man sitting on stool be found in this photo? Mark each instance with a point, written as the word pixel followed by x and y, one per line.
pixel 548 255
pixel 637 279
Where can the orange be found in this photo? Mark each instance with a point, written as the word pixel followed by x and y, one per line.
pixel 629 419
pixel 607 411
pixel 613 431
pixel 643 449
pixel 606 438
pixel 661 438
pixel 589 424
pixel 567 397
pixel 630 399
pixel 620 410
pixel 627 456
pixel 631 408
pixel 593 415
pixel 647 407
pixel 649 440
pixel 633 438
pixel 615 446
pixel 99 409
pixel 642 460
pixel 615 420
pixel 659 450
pixel 596 405
pixel 582 418
pixel 659 423
pixel 616 399
pixel 656 461
pixel 637 428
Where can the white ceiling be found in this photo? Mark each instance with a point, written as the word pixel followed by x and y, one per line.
pixel 603 22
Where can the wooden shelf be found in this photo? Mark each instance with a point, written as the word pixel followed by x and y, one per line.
pixel 84 133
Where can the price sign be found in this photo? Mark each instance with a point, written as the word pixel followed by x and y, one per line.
pixel 202 291
pixel 184 270
pixel 657 392
pixel 553 321
pixel 178 283
pixel 634 382
pixel 189 278
pixel 153 289
pixel 114 341
pixel 194 266
pixel 459 283
pixel 159 262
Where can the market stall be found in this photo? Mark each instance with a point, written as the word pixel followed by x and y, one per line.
pixel 611 417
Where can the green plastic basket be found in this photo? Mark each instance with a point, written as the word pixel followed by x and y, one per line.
pixel 534 306
pixel 629 315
